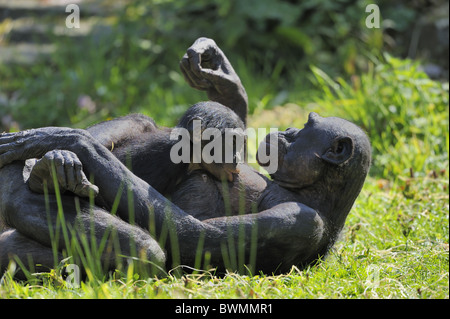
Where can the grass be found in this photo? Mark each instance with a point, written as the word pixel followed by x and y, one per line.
pixel 395 241
pixel 394 245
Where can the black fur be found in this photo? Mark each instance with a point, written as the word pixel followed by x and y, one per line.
pixel 292 219
pixel 153 145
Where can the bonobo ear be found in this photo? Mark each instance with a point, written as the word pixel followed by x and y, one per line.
pixel 341 151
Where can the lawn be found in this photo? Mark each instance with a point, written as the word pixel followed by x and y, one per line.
pixel 395 243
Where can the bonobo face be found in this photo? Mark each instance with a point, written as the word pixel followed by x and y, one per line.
pixel 304 155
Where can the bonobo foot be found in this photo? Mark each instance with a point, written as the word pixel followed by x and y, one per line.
pixel 68 172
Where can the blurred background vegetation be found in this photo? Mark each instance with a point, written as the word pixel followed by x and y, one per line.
pixel 293 57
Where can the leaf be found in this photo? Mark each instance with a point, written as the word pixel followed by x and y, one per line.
pixel 297 37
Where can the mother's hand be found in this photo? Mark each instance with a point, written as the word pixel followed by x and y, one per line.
pixel 35 143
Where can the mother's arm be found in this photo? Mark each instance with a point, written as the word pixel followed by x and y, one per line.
pixel 287 234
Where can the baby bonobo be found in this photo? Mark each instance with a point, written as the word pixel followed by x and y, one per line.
pixel 153 145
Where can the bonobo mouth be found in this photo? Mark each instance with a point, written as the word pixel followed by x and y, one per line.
pixel 271 151
pixel 283 181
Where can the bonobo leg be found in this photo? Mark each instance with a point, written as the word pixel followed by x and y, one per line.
pixel 34 256
pixel 286 234
pixel 72 228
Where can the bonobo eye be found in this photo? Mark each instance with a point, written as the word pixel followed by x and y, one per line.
pixel 290 132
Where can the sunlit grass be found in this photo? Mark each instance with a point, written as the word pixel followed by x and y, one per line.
pixel 393 246
pixel 395 241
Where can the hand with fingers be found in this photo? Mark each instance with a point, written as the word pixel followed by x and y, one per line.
pixel 67 171
pixel 35 143
pixel 205 67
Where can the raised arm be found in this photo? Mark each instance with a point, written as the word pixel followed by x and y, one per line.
pixel 285 235
pixel 205 67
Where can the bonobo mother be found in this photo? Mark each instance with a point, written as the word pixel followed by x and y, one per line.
pixel 292 219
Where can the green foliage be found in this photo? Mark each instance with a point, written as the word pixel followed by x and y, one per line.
pixel 299 33
pixel 118 76
pixel 405 114
pixel 395 242
pixel 394 245
pixel 131 64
